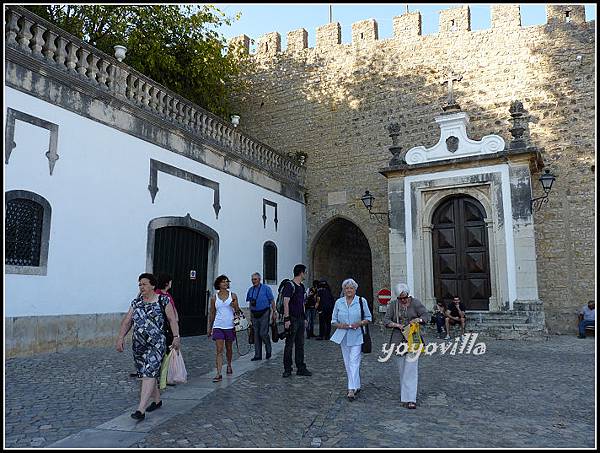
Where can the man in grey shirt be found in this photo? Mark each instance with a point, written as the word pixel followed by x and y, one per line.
pixel 587 317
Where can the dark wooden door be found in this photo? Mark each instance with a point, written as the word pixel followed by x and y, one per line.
pixel 461 265
pixel 179 251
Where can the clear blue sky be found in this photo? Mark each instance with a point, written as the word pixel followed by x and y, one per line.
pixel 258 19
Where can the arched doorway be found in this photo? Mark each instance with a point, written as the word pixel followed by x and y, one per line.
pixel 461 265
pixel 187 250
pixel 341 251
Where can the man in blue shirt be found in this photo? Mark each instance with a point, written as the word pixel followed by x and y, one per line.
pixel 261 301
pixel 587 317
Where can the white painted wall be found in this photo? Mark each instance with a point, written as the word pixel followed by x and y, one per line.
pixel 101 208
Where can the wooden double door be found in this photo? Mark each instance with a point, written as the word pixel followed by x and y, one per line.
pixel 183 254
pixel 461 264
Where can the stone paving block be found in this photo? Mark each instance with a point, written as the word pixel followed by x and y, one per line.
pixel 124 422
pixel 99 438
pixel 187 392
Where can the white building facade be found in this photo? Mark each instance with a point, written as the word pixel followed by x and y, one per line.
pixel 110 175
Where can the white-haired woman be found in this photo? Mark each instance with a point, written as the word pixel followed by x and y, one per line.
pixel 400 312
pixel 348 320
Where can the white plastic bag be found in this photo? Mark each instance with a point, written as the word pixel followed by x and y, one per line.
pixel 177 373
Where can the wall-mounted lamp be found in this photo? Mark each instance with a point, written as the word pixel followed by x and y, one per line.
pixel 367 200
pixel 235 120
pixel 547 179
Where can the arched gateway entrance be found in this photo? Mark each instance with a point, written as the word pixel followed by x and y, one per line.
pixel 341 251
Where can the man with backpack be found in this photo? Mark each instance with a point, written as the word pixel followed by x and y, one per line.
pixel 294 322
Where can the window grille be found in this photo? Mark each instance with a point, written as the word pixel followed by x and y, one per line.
pixel 23 240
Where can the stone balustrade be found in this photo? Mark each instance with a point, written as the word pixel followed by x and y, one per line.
pixel 30 34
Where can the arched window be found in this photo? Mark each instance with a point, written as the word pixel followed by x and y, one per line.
pixel 270 263
pixel 27 233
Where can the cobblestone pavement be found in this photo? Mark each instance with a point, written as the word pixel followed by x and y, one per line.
pixel 51 396
pixel 536 393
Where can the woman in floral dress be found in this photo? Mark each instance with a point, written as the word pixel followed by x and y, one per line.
pixel 147 317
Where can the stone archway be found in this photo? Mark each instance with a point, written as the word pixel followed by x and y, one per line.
pixel 340 251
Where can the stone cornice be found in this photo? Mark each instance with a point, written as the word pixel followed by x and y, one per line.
pixel 35 63
pixel 530 154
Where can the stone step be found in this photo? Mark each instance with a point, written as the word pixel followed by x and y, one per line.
pixel 493 319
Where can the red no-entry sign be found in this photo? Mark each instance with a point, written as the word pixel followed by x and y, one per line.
pixel 384 296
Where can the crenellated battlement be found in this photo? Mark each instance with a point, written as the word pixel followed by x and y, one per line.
pixel 452 21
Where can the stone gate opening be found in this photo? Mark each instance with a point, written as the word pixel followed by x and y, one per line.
pixel 341 251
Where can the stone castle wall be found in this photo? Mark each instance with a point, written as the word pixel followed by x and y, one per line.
pixel 335 101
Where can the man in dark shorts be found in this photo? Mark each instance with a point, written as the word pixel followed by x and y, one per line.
pixel 294 322
pixel 455 315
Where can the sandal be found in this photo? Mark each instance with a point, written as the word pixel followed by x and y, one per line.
pixel 229 370
pixel 218 378
pixel 351 395
pixel 411 405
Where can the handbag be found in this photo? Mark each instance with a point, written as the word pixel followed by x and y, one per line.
pixel 240 322
pixel 366 345
pixel 274 332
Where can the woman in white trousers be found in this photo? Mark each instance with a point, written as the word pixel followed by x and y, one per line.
pixel 348 321
pixel 400 312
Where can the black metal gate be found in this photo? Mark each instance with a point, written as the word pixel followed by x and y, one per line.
pixel 183 254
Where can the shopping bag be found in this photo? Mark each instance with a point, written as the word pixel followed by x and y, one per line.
pixel 164 369
pixel 415 342
pixel 177 373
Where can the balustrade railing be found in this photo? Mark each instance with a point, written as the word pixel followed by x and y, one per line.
pixel 32 35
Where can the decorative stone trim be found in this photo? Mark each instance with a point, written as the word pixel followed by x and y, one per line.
pixel 454 142
pixel 156 166
pixel 42 269
pixel 9 140
pixel 264 216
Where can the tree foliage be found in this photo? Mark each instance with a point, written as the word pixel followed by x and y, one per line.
pixel 175 45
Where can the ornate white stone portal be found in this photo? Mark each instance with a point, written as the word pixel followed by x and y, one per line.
pixel 454 142
pixel 461 225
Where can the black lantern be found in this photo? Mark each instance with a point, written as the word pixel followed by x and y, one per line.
pixel 367 200
pixel 547 179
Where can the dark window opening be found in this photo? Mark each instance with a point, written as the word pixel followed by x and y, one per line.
pixel 270 263
pixel 23 241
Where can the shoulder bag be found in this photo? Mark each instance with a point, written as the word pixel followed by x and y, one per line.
pixel 366 345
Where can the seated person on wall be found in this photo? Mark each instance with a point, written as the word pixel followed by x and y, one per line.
pixel 439 318
pixel 587 317
pixel 455 314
